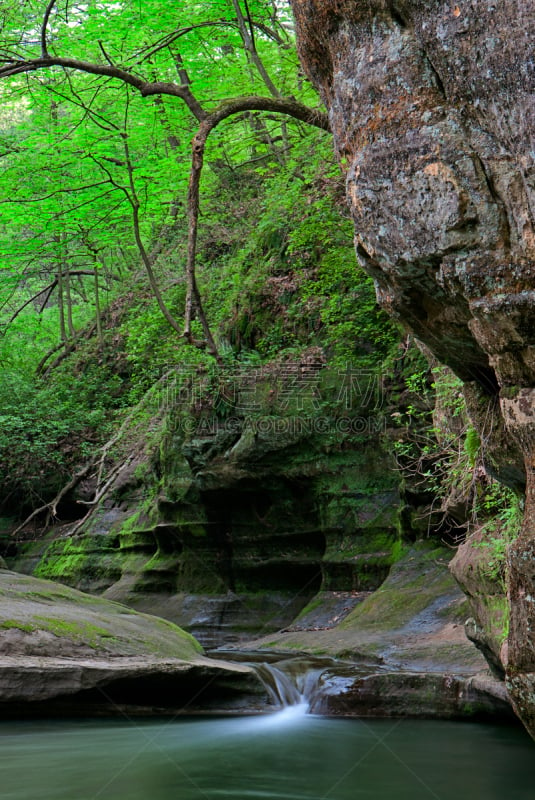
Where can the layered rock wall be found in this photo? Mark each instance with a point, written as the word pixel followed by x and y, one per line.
pixel 432 108
pixel 230 528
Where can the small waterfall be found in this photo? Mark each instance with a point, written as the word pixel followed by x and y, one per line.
pixel 294 682
pixel 291 682
pixel 281 688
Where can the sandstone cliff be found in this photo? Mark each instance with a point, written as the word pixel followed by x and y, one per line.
pixel 432 109
pixel 230 526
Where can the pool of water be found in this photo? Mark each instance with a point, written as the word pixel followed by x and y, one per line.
pixel 281 756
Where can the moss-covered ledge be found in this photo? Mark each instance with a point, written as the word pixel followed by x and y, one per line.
pixel 62 651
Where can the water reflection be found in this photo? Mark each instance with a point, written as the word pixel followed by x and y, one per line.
pixel 287 755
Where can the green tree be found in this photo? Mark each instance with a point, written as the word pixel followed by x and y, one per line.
pixel 122 55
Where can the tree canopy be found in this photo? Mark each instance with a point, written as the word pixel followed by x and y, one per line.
pixel 110 111
pixel 108 95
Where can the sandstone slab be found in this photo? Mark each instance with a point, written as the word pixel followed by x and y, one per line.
pixel 69 650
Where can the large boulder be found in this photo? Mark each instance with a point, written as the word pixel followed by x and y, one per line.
pixel 62 649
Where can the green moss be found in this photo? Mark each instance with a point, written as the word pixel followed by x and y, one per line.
pixel 70 561
pixel 9 624
pixel 77 631
pixel 137 540
pixel 379 545
pixel 498 617
pixel 61 561
pixel 56 593
pixel 458 614
pixel 198 573
pixel 315 603
pixel 510 392
pixel 412 584
pixel 164 624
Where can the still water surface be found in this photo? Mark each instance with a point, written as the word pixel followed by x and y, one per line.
pixel 282 756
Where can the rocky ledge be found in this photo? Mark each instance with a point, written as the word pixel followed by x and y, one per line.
pixel 63 651
pixel 399 651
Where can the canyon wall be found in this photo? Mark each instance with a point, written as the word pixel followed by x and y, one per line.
pixel 229 526
pixel 432 109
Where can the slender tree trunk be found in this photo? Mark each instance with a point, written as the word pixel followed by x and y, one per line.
pixel 134 203
pixel 98 316
pixel 80 288
pixel 247 36
pixel 68 298
pixel 61 306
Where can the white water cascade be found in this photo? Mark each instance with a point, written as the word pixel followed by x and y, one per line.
pixel 290 684
pixel 297 684
pixel 281 688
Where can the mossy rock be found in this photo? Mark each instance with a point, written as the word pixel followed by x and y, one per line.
pixel 412 620
pixel 408 590
pixel 43 618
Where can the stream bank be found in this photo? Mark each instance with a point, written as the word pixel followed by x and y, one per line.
pixel 400 651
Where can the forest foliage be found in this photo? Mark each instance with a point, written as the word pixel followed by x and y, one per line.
pixel 100 101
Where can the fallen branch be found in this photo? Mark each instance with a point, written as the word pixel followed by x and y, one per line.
pixel 97 463
pixel 99 495
pixel 52 507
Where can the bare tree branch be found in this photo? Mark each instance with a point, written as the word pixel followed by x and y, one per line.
pixel 167 40
pixel 248 39
pixel 44 26
pixel 52 507
pixel 104 53
pixel 48 289
pixel 145 88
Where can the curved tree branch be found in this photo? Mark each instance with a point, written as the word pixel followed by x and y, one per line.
pixel 279 105
pixel 44 26
pixel 208 121
pixel 145 88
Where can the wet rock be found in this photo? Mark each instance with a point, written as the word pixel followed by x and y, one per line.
pixel 410 694
pixel 485 588
pixel 481 641
pixel 413 622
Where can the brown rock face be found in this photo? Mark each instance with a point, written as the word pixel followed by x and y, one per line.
pixel 433 112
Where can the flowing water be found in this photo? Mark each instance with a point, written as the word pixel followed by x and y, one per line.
pixel 286 755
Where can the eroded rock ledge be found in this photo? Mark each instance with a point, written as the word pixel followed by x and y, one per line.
pixel 63 651
pixel 432 109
